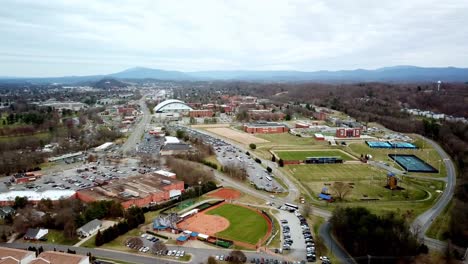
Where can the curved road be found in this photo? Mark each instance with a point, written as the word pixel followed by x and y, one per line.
pixel 422 223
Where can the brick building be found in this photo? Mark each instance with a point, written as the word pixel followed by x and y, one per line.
pixel 348 132
pixel 265 128
pixel 320 115
pixel 201 113
pixel 141 190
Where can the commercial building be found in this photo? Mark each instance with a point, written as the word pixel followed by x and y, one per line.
pixel 104 146
pixel 25 177
pixel 201 113
pixel 348 132
pixel 265 128
pixel 141 190
pixel 74 155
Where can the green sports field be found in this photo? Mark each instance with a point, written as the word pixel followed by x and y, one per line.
pixel 302 155
pixel 245 224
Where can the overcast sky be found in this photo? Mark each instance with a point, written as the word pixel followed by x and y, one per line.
pixel 55 38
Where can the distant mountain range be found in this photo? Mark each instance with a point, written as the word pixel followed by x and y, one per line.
pixel 387 74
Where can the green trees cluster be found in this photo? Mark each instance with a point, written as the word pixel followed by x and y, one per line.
pixel 100 210
pixel 363 233
pixel 134 216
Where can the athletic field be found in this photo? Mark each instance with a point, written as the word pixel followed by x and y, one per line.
pixel 302 155
pixel 245 225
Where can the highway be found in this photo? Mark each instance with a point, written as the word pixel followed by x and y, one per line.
pixel 129 147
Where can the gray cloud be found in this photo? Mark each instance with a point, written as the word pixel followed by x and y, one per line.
pixel 47 38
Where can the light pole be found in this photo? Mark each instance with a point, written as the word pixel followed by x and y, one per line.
pixel 199 188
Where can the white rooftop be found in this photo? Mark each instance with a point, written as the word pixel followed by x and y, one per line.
pixel 37 196
pixel 104 146
pixel 165 173
pixel 172 140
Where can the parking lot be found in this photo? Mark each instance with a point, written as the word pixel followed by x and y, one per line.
pixel 150 144
pixel 84 176
pixel 228 154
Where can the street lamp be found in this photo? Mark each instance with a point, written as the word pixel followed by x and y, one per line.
pixel 199 188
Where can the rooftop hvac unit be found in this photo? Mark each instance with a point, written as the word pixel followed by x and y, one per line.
pixel 166 181
pixel 132 193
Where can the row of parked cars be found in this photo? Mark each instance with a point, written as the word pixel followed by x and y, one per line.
pixel 229 258
pixel 274 261
pixel 309 241
pixel 286 235
pixel 139 248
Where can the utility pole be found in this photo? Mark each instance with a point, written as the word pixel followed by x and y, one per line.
pixel 369 259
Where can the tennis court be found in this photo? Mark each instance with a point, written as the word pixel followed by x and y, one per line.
pixel 378 144
pixel 403 145
pixel 387 144
pixel 411 163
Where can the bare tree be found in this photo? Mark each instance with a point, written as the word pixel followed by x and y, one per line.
pixel 158 246
pixel 211 260
pixel 136 242
pixel 237 257
pixel 341 190
pixel 306 210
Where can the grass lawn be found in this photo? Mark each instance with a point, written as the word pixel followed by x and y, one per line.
pixel 439 228
pixel 276 241
pixel 285 139
pixel 331 172
pixel 302 155
pixel 90 243
pixel 245 224
pixel 118 243
pixel 56 237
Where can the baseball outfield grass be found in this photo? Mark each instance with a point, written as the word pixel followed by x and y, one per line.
pixel 245 225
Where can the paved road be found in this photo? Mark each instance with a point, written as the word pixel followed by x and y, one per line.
pixel 424 220
pixel 118 255
pixel 199 255
pixel 130 144
pixel 333 246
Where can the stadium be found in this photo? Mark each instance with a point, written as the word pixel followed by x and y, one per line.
pixel 171 106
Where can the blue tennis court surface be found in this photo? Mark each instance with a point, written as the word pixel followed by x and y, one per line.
pixel 403 145
pixel 411 163
pixel 378 144
pixel 388 144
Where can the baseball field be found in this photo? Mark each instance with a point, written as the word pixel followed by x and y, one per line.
pixel 245 224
